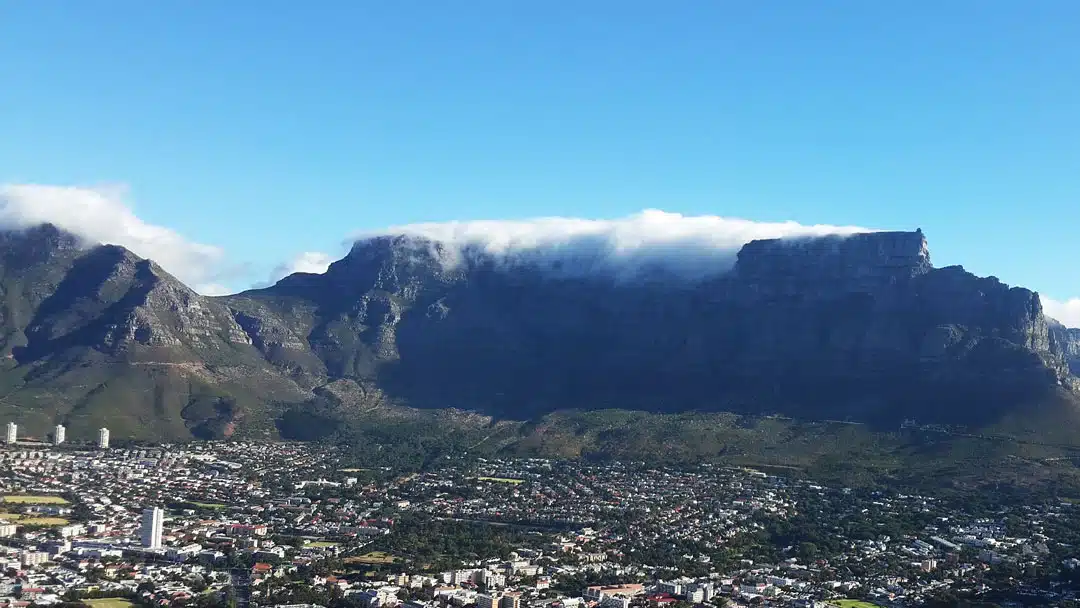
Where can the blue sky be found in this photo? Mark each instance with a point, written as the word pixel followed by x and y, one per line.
pixel 275 127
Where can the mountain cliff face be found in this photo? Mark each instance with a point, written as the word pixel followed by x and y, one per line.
pixel 1067 341
pixel 95 335
pixel 861 328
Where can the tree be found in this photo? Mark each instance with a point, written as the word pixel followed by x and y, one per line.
pixel 808 551
pixel 230 597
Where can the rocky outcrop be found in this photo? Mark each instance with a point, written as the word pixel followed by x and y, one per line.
pixel 1067 341
pixel 810 267
pixel 112 300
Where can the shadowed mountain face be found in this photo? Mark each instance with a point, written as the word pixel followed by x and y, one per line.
pixel 860 328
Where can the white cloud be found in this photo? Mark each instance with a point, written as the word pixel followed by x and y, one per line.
pixel 690 246
pixel 214 289
pixel 101 215
pixel 313 262
pixel 1065 311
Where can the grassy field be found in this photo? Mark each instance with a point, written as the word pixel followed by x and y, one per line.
pixel 375 557
pixel 501 480
pixel 44 521
pixel 109 602
pixel 320 544
pixel 853 604
pixel 35 500
pixel 33 520
pixel 209 505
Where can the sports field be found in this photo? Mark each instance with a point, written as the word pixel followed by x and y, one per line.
pixel 35 500
pixel 44 521
pixel 34 520
pixel 853 604
pixel 501 480
pixel 375 557
pixel 110 602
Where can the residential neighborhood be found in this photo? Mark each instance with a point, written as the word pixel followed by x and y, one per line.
pixel 287 524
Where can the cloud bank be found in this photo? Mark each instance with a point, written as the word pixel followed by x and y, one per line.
pixel 101 215
pixel 650 241
pixel 1067 312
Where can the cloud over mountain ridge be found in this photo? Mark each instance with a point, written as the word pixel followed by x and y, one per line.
pixel 652 240
pixel 103 216
pixel 689 246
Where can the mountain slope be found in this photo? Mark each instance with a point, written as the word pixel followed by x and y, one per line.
pixel 859 328
pixel 106 338
pixel 32 264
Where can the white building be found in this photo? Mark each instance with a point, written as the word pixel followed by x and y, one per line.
pixel 72 530
pixel 33 558
pixel 59 434
pixel 103 438
pixel 152 520
pixel 12 432
pixel 492 580
pixel 7 530
pixel 615 602
pixel 183 553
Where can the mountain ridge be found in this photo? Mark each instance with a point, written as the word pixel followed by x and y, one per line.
pixel 393 278
pixel 858 327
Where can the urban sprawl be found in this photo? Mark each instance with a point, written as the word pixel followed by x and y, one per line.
pixel 291 524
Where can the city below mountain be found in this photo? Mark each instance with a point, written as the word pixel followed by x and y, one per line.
pixel 859 328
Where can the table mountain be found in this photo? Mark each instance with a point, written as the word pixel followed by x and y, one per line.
pixel 858 328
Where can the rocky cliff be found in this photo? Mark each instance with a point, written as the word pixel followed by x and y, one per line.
pixel 861 328
pixel 1067 341
pixel 825 266
pixel 96 335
